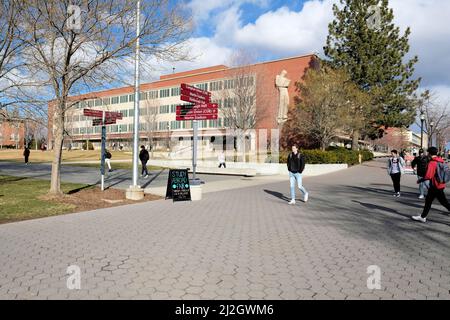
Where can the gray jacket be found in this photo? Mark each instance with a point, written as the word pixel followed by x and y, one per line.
pixel 401 164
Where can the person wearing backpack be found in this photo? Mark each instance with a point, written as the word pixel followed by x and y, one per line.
pixel 396 167
pixel 438 173
pixel 108 157
pixel 296 166
pixel 421 162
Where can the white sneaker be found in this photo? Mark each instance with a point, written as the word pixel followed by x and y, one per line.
pixel 292 202
pixel 421 197
pixel 419 218
pixel 306 197
pixel 146 177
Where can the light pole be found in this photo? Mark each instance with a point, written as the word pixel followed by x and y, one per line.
pixel 430 143
pixel 168 137
pixel 422 119
pixel 135 192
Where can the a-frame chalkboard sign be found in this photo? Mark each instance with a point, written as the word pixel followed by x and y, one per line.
pixel 178 187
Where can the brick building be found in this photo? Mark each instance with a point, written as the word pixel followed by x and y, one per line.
pixel 12 132
pixel 158 101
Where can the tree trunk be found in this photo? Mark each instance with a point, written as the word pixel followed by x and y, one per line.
pixel 355 140
pixel 55 182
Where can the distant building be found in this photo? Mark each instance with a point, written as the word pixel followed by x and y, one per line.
pixel 158 101
pixel 12 131
pixel 398 138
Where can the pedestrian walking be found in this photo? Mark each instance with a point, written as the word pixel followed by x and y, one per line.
pixel 438 174
pixel 396 167
pixel 403 154
pixel 419 165
pixel 296 165
pixel 221 159
pixel 144 157
pixel 108 157
pixel 26 154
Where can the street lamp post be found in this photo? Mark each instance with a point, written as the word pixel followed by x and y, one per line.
pixel 422 119
pixel 135 192
pixel 168 137
pixel 430 143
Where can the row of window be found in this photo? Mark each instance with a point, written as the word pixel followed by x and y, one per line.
pixel 161 126
pixel 164 109
pixel 165 93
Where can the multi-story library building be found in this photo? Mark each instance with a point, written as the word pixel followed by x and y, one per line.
pixel 252 97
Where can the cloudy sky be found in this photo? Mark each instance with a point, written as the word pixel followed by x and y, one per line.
pixel 274 29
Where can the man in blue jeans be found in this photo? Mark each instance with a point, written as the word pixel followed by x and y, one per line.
pixel 296 165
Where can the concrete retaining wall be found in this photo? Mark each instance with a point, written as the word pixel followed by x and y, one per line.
pixel 261 168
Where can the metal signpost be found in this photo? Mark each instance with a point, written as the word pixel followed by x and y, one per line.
pixel 102 118
pixel 200 109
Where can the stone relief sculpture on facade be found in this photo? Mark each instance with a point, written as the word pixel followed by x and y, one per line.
pixel 282 83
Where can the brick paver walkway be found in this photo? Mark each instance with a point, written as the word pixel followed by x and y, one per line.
pixel 239 244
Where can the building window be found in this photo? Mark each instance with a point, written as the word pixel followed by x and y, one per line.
pixel 143 111
pixel 173 108
pixel 153 94
pixel 216 85
pixel 162 126
pixel 124 99
pixel 114 100
pixel 175 91
pixel 131 97
pixel 123 128
pixel 143 96
pixel 131 112
pixel 98 102
pixel 203 86
pixel 164 93
pixel 115 128
pixel 131 127
pixel 106 101
pixel 164 109
pixel 229 84
pixel 218 102
pixel 174 125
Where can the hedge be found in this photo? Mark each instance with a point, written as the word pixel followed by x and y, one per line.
pixel 340 155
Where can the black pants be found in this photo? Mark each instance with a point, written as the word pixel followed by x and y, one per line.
pixel 396 180
pixel 26 159
pixel 144 168
pixel 223 164
pixel 434 193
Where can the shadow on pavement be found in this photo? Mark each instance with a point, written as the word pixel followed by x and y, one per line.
pixel 153 178
pixel 278 195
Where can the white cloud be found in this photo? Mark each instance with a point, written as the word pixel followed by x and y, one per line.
pixel 289 32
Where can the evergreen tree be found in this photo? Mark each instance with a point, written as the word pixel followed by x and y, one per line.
pixel 365 42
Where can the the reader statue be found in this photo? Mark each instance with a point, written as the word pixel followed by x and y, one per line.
pixel 282 83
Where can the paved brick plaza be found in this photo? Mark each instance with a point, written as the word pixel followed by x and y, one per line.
pixel 239 244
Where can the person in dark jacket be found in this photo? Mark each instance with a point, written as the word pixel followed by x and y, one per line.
pixel 436 187
pixel 421 163
pixel 108 157
pixel 296 165
pixel 144 157
pixel 26 154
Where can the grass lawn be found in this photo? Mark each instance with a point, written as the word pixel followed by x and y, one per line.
pixel 47 156
pixel 19 199
pixel 26 198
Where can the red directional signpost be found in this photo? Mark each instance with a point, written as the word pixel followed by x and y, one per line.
pixel 200 109
pixel 102 118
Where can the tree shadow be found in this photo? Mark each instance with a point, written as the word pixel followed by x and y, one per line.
pixel 145 185
pixel 80 189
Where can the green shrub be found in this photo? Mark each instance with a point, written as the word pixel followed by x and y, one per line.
pixel 91 147
pixel 334 155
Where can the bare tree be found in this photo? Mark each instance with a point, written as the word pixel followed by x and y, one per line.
pixel 243 91
pixel 437 115
pixel 150 117
pixel 71 51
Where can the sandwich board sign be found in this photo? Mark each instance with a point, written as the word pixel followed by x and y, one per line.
pixel 178 188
